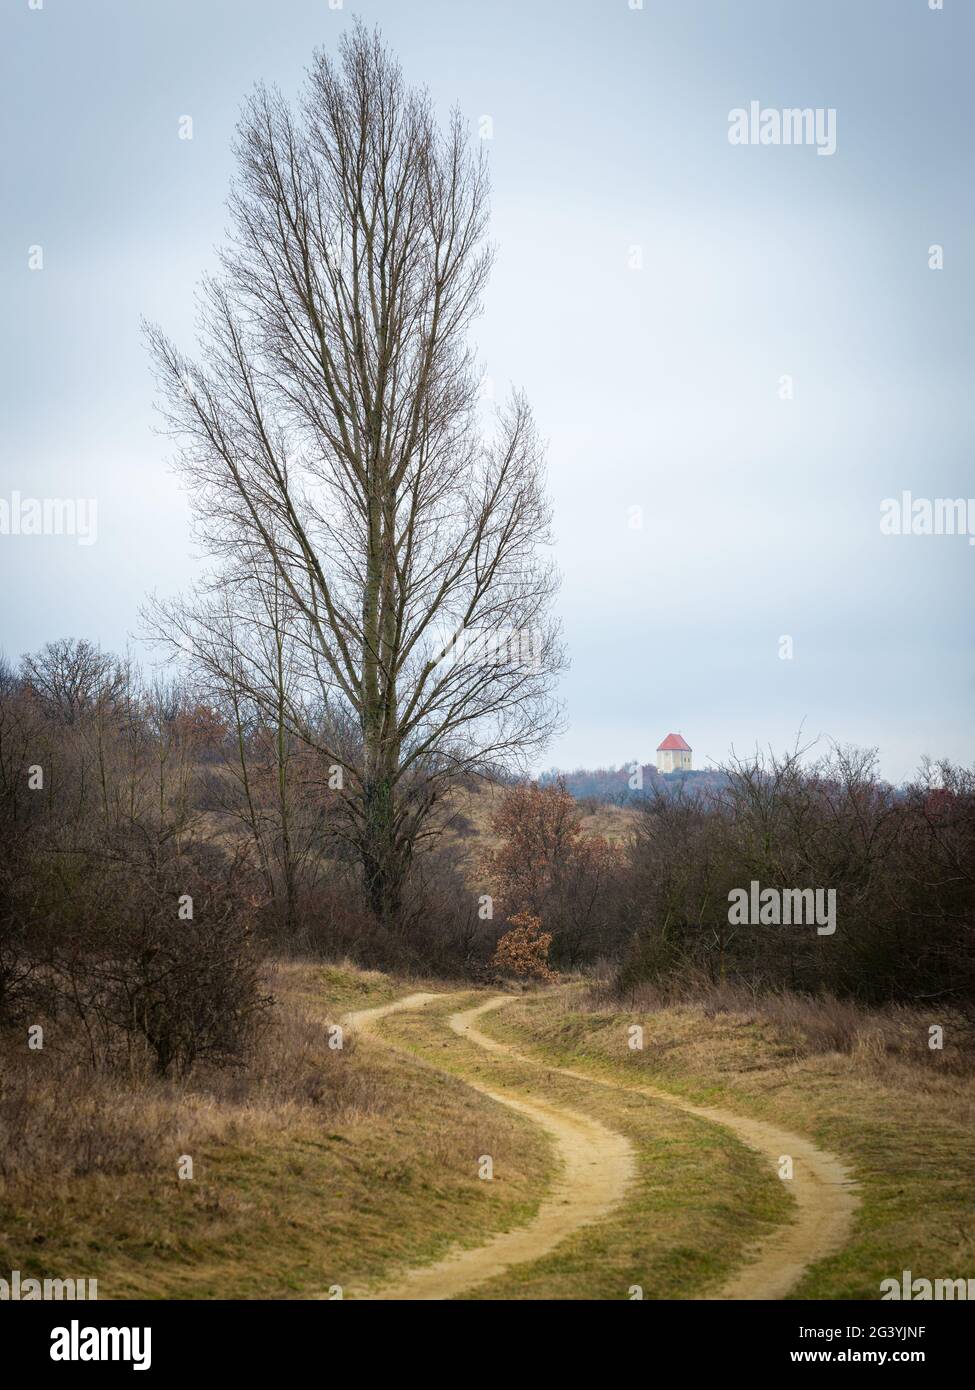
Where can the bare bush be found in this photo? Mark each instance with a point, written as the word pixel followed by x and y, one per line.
pixel 900 862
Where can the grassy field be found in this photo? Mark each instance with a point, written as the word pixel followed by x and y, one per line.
pixel 313 1168
pixel 318 1170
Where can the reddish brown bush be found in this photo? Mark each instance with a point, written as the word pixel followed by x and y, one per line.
pixel 523 951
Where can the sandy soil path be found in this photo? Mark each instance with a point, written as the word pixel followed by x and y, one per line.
pixel 597 1166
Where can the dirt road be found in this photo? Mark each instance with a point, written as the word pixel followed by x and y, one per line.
pixel 597 1165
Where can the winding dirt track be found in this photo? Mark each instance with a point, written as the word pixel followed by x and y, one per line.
pixel 597 1167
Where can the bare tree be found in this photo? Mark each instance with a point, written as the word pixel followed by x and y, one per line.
pixel 331 431
pixel 247 670
pixel 72 676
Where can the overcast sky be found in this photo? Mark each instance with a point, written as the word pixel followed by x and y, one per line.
pixel 658 387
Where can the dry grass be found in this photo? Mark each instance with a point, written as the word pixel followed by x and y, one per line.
pixel 863 1084
pixel 614 823
pixel 312 1166
pixel 890 1037
pixel 60 1118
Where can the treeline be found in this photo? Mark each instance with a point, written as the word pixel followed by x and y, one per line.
pixel 901 863
pixel 897 864
pixel 116 911
pixel 156 841
pixel 630 784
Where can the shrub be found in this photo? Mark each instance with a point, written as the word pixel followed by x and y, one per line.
pixel 900 861
pixel 523 951
pixel 122 959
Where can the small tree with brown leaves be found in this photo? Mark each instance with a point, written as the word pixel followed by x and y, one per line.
pixel 548 866
pixel 523 951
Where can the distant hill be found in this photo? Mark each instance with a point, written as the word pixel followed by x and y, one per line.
pixel 612 784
